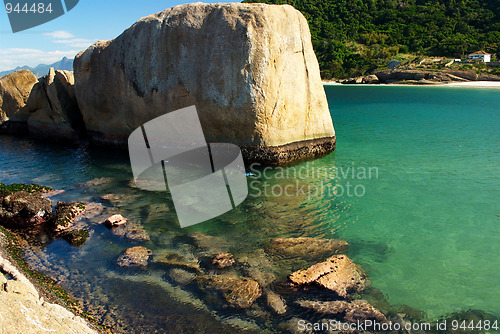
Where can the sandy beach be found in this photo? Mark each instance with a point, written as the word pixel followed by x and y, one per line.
pixel 469 84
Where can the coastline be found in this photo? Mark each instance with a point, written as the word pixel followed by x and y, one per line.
pixel 32 302
pixel 467 84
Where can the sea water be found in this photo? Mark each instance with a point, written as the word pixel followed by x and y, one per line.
pixel 413 186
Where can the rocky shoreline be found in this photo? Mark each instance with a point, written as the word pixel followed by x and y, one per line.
pixel 34 306
pixel 282 282
pixel 418 77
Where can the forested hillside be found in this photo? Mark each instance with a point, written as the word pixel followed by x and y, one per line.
pixel 356 36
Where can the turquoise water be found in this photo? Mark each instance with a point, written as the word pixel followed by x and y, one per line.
pixel 436 202
pixel 420 210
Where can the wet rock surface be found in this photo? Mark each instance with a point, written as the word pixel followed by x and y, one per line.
pixel 134 257
pixel 76 237
pixel 238 292
pixel 181 276
pixel 223 260
pixel 357 310
pixel 65 215
pixel 132 231
pixel 115 220
pixel 275 302
pixel 338 273
pixel 21 209
pixel 305 248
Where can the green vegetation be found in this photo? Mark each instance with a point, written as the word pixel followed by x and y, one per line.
pixel 29 188
pixel 355 37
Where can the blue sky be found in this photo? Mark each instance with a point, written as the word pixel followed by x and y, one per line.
pixel 88 22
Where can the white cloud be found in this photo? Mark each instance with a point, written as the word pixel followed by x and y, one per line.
pixel 60 34
pixel 13 57
pixel 75 42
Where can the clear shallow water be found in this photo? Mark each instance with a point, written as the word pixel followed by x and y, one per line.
pixel 423 224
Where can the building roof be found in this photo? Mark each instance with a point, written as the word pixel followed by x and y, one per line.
pixel 479 53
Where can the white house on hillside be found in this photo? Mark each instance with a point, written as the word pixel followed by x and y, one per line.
pixel 480 55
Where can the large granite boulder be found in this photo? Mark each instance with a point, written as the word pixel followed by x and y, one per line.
pixel 250 70
pixel 15 89
pixel 55 114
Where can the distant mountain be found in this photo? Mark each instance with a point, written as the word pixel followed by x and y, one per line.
pixel 42 69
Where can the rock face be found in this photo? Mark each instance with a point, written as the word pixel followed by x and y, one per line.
pixel 357 310
pixel 55 114
pixel 21 209
pixel 337 273
pixel 15 89
pixel 249 68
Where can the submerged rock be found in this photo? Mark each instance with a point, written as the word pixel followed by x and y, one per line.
pixel 65 215
pixel 337 273
pixel 357 310
pixel 21 209
pixel 117 199
pixel 238 292
pixel 115 220
pixel 275 302
pixel 76 237
pixel 183 259
pixel 223 260
pixel 210 244
pixel 181 276
pixel 132 231
pixel 134 257
pixel 258 266
pixel 305 248
pixel 249 68
pixel 15 89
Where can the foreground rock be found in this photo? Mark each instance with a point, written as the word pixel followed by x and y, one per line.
pixel 249 68
pixel 305 248
pixel 275 302
pixel 55 114
pixel 337 273
pixel 134 257
pixel 223 260
pixel 238 292
pixel 115 220
pixel 15 89
pixel 21 209
pixel 24 311
pixel 65 215
pixel 357 310
pixel 132 231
